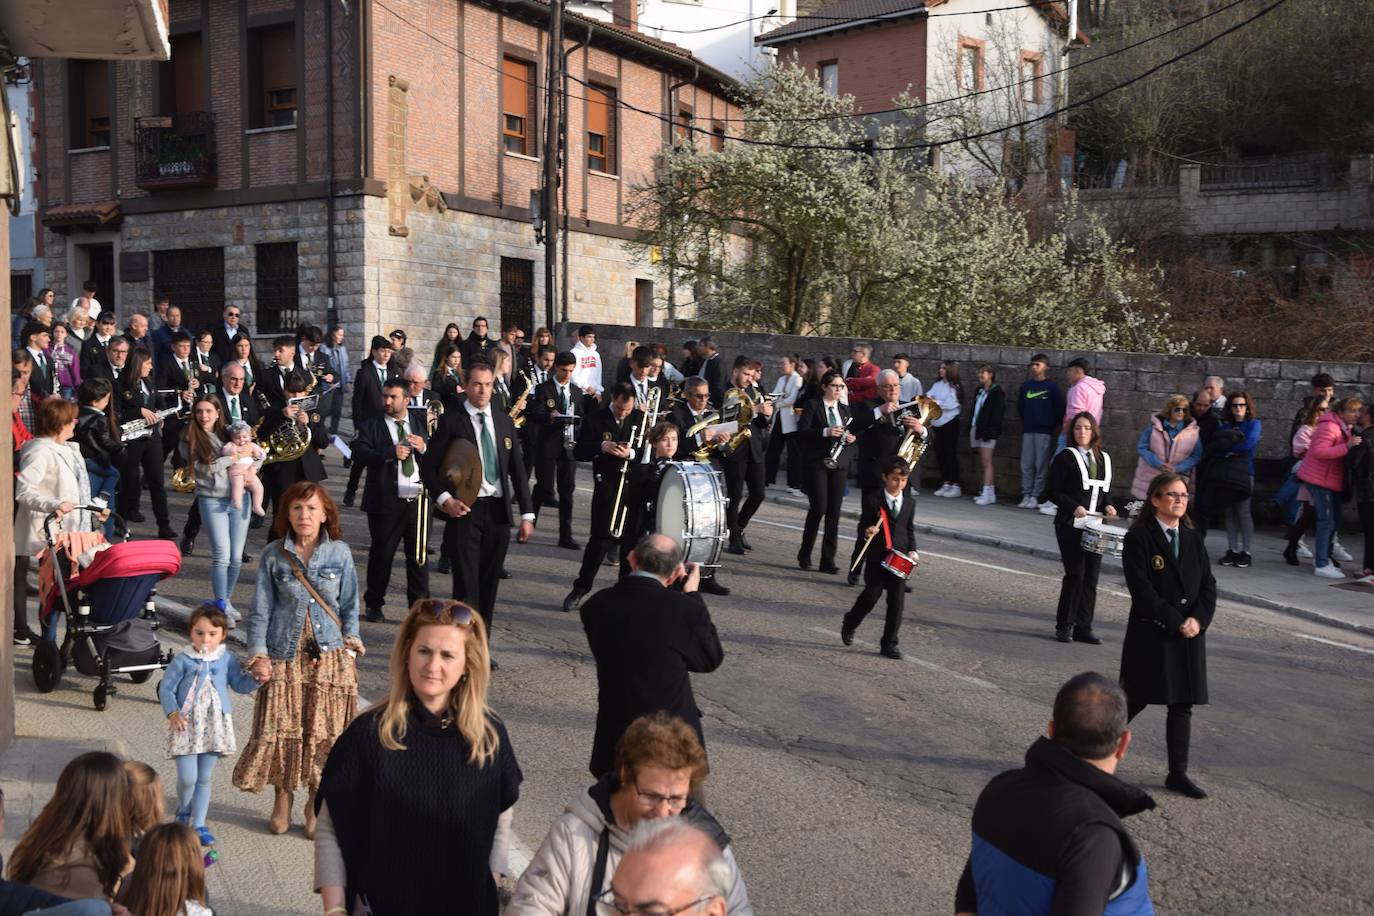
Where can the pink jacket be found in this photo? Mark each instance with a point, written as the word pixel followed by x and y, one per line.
pixel 1324 463
pixel 1086 395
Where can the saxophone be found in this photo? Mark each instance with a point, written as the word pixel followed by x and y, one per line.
pixel 517 410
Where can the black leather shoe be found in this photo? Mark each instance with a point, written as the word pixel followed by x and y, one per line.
pixel 569 544
pixel 374 615
pixel 891 652
pixel 744 542
pixel 1063 634
pixel 348 501
pixel 847 635
pixel 1087 636
pixel 136 517
pixel 574 599
pixel 247 558
pixel 505 573
pixel 256 523
pixel 830 570
pixel 908 589
pixel 853 578
pixel 1290 554
pixel 610 559
pixel 1180 783
pixel 712 587
pixel 166 533
pixel 735 547
pixel 444 566
pixel 188 546
pixel 348 463
pixel 803 562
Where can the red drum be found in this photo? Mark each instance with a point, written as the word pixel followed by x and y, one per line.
pixel 899 564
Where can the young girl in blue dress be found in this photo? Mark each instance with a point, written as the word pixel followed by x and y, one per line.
pixel 195 697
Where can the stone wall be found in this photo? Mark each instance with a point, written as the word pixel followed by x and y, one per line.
pixel 1137 386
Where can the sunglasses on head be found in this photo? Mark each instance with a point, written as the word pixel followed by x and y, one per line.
pixel 435 607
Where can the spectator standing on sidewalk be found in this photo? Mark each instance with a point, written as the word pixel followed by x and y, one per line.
pixel 1049 838
pixel 1323 470
pixel 989 409
pixel 910 384
pixel 1215 385
pixel 1207 424
pixel 1303 516
pixel 782 439
pixel 948 393
pixel 1170 442
pixel 1323 386
pixel 1086 395
pixel 65 360
pixel 1236 441
pixel 1039 404
pixel 587 375
pixel 669 867
pixel 861 374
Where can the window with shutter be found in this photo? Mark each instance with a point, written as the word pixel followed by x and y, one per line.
pixel 517 99
pixel 601 113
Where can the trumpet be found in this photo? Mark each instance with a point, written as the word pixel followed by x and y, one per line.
pixel 639 437
pixel 832 460
pixel 570 426
pixel 433 411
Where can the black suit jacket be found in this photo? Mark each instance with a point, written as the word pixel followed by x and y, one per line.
pixel 681 417
pixel 539 409
pixel 456 424
pixel 713 371
pixel 41 382
pixel 646 639
pixel 93 353
pixel 602 426
pixel 209 377
pixel 1159 665
pixel 222 345
pixel 367 391
pixel 130 399
pixel 756 446
pixel 812 431
pixel 249 410
pixel 902 528
pixel 280 475
pixel 1064 486
pixel 169 374
pixel 374 449
pixel 877 439
pixel 445 388
pixel 270 386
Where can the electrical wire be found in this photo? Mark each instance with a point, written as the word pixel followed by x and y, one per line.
pixel 856 20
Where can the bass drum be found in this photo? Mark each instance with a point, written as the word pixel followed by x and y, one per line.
pixel 691 510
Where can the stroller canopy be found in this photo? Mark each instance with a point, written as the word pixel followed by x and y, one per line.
pixel 133 561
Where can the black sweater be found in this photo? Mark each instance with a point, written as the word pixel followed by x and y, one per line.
pixel 416 826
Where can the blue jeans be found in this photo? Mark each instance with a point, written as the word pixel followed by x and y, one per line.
pixel 1327 505
pixel 193 787
pixel 228 529
pixel 104 479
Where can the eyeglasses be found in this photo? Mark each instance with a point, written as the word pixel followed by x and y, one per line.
pixel 1176 497
pixel 653 799
pixel 231 314
pixel 1178 410
pixel 607 904
pixel 1235 404
pixel 460 613
pixel 836 385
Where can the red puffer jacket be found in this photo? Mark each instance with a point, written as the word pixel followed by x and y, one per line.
pixel 1324 463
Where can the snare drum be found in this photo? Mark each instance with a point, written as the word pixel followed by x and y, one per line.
pixel 899 564
pixel 1104 540
pixel 690 509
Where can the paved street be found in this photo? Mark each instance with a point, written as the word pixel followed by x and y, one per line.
pixel 847 779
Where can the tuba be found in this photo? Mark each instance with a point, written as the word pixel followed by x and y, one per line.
pixel 913 446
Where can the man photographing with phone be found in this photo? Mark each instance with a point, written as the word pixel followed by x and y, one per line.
pixel 647 638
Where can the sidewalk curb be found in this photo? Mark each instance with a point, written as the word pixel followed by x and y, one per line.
pixel 1230 594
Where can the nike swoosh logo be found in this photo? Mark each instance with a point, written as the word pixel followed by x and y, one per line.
pixel 1036 394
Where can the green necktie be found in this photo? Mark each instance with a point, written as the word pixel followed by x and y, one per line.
pixel 381 376
pixel 488 450
pixel 562 400
pixel 1092 465
pixel 408 465
pixel 234 408
pixel 1173 542
pixel 834 420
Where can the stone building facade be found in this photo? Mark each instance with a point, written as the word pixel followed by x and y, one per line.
pixel 370 164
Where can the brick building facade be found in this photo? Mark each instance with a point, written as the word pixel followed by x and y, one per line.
pixel 371 163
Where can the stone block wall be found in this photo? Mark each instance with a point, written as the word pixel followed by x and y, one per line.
pixel 1138 384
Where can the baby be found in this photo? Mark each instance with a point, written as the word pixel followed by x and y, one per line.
pixel 243 471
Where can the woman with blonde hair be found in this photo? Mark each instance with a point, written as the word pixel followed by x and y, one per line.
pixel 1170 442
pixel 432 746
pixel 169 879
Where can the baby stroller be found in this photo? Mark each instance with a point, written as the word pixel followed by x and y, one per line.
pixel 110 614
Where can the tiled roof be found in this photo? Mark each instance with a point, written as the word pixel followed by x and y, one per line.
pixel 98 213
pixel 834 15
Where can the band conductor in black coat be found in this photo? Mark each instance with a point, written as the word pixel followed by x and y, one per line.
pixel 647 639
pixel 1173 601
pixel 477 542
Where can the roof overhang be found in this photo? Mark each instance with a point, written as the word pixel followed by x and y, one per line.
pixel 91 29
pixel 771 39
pixel 89 216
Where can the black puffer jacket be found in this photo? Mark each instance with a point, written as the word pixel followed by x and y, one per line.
pixel 97 442
pixel 1361 462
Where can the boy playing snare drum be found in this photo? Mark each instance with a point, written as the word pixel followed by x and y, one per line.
pixel 889 521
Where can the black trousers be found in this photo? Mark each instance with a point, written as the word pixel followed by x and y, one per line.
pixel 355 473
pixel 600 541
pixel 739 475
pixel 1366 510
pixel 21 595
pixel 172 431
pixel 1078 593
pixel 1178 729
pixel 859 529
pixel 142 469
pixel 947 451
pixel 826 491
pixel 782 447
pixel 876 581
pixel 387 531
pixel 557 470
pixel 477 544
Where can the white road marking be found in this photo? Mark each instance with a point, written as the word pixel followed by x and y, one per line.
pixel 968 678
pixel 1332 642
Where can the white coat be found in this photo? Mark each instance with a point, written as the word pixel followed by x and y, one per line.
pixel 786 388
pixel 50 473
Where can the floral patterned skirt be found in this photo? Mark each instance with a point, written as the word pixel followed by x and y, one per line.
pixel 299 714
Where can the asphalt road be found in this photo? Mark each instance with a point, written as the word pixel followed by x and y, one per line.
pixel 847 779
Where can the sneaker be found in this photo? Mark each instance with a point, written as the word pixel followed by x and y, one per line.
pixel 1329 571
pixel 943 491
pixel 1229 559
pixel 1242 561
pixel 1366 580
pixel 794 492
pixel 954 492
pixel 986 498
pixel 1304 552
pixel 1340 553
pixel 1028 502
pixel 206 837
pixel 1048 508
pixel 24 637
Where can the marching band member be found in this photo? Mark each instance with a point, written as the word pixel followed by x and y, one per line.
pixel 696 402
pixel 821 431
pixel 1079 483
pixel 532 374
pixel 446 382
pixel 501 398
pixel 888 520
pixel 272 384
pixel 602 440
pixel 645 366
pixel 177 372
pixel 880 434
pixel 391 447
pixel 142 467
pixel 744 467
pixel 277 476
pixel 553 407
pixel 367 399
pixel 479 536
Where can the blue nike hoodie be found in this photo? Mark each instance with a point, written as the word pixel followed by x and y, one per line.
pixel 1040 405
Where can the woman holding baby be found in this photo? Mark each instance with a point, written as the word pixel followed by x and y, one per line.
pixel 225 466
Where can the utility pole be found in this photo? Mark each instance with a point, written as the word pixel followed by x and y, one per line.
pixel 553 102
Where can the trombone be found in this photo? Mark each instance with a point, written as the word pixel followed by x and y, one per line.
pixel 433 410
pixel 639 436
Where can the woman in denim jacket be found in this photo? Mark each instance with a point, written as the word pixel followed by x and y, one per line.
pixel 304 652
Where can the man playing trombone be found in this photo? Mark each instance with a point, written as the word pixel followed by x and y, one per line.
pixel 390 447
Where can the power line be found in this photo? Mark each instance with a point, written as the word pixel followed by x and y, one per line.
pixel 856 20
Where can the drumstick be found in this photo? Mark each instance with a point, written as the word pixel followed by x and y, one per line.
pixel 860 558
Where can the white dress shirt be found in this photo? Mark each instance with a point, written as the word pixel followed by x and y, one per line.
pixel 407 485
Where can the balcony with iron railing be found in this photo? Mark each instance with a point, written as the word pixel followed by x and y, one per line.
pixel 175 151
